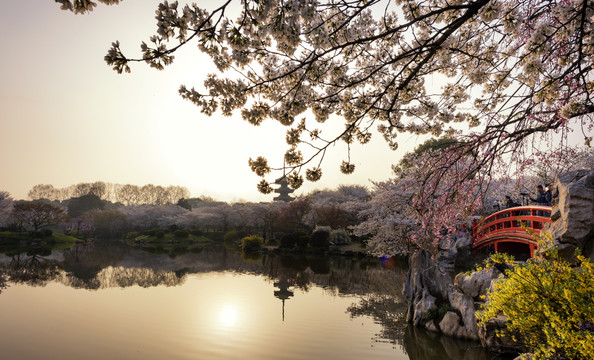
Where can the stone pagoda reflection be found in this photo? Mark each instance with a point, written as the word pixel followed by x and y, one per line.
pixel 283 293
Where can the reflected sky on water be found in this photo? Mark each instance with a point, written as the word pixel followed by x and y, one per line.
pixel 96 303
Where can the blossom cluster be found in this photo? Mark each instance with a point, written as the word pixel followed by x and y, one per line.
pixel 507 69
pixel 83 6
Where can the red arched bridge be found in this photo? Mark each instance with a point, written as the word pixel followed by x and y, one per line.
pixel 504 230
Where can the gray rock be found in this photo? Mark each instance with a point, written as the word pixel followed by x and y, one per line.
pixel 463 242
pixel 427 284
pixel 422 306
pixel 573 213
pixel 454 251
pixel 424 273
pixel 498 344
pixel 451 325
pixel 465 305
pixel 477 283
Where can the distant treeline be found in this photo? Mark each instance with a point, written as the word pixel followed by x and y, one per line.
pixel 116 193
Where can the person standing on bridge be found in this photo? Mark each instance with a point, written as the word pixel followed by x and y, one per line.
pixel 509 203
pixel 549 195
pixel 541 198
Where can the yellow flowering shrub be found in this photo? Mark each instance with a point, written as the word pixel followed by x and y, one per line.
pixel 550 304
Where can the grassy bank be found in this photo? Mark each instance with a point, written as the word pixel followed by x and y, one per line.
pixel 23 241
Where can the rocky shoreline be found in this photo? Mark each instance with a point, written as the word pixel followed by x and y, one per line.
pixel 441 302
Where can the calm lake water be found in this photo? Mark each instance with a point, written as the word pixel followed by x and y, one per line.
pixel 118 302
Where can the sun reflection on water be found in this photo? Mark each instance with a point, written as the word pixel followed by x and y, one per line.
pixel 228 315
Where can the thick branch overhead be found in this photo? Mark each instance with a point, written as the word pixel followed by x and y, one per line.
pixel 491 73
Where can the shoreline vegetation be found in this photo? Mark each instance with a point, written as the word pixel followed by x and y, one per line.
pixel 176 241
pixel 179 241
pixel 11 241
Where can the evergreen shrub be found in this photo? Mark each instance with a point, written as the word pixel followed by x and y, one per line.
pixel 252 243
pixel 149 232
pixel 181 234
pixel 287 241
pixel 301 238
pixel 320 238
pixel 230 235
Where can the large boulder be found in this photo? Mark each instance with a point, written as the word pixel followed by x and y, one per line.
pixel 455 251
pixel 573 214
pixel 450 324
pixel 468 328
pixel 476 284
pixel 426 303
pixel 491 339
pixel 425 273
pixel 429 286
pixel 424 278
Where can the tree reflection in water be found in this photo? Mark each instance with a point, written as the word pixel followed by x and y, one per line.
pixel 3 280
pixel 387 311
pixel 379 289
pixel 31 269
pixel 95 267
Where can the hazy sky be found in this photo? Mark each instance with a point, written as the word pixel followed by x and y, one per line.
pixel 66 117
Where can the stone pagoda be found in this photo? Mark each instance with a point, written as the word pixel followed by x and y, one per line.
pixel 283 190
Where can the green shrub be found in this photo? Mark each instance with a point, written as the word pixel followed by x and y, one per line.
pixel 197 232
pixel 301 238
pixel 132 235
pixel 181 234
pixel 159 234
pixel 287 241
pixel 230 235
pixel 172 228
pixel 320 238
pixel 251 243
pixel 47 232
pixel 150 232
pixel 36 234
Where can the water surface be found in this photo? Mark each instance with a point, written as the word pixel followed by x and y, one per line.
pixel 99 302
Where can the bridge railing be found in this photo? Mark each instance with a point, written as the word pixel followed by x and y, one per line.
pixel 506 225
